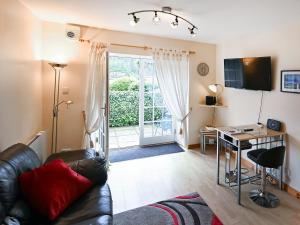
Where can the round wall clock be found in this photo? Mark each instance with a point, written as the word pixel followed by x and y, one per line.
pixel 203 69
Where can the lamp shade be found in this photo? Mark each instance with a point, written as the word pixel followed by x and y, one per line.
pixel 69 102
pixel 57 65
pixel 215 88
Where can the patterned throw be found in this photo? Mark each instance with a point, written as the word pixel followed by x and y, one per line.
pixel 182 210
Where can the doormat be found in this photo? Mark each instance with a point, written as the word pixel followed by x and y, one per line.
pixel 137 152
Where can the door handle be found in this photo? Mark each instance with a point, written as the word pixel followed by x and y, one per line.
pixel 105 108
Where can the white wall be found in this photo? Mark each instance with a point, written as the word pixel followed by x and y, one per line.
pixel 243 105
pixel 20 74
pixel 57 48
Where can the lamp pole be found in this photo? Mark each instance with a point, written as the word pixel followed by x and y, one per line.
pixel 57 67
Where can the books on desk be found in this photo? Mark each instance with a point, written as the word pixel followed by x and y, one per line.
pixel 234 131
pixel 245 131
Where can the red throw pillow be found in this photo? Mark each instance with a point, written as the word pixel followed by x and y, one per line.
pixel 51 188
pixel 216 221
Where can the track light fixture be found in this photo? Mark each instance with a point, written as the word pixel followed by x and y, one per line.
pixel 156 19
pixel 174 24
pixel 192 32
pixel 134 20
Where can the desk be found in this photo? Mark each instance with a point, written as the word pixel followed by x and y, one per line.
pixel 228 135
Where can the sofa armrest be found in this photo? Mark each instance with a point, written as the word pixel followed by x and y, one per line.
pixel 94 169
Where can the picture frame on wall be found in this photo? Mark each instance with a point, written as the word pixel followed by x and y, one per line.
pixel 290 81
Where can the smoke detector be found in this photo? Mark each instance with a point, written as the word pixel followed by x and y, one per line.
pixel 72 32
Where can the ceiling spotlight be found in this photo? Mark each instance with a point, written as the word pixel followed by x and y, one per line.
pixel 164 11
pixel 134 20
pixel 174 24
pixel 156 18
pixel 192 32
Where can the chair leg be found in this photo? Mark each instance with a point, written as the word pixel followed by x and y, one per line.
pixel 262 197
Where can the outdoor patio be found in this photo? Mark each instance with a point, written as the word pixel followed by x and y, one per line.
pixel 121 137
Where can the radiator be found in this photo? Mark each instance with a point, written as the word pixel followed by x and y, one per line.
pixel 39 145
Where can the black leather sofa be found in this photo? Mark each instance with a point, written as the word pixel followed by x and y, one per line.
pixel 94 207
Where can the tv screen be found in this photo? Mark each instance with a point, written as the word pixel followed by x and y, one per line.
pixel 248 73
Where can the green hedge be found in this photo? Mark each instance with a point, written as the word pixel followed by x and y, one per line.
pixel 124 109
pixel 125 84
pixel 124 102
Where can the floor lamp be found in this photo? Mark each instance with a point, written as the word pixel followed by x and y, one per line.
pixel 56 103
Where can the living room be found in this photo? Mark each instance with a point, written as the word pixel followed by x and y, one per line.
pixel 167 157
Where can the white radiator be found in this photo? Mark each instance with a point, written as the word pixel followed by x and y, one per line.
pixel 39 145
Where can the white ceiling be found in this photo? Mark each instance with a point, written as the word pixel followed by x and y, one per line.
pixel 216 19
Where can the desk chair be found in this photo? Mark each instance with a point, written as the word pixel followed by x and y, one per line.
pixel 266 158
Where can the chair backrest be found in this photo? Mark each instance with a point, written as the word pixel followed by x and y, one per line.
pixel 273 158
pixel 14 161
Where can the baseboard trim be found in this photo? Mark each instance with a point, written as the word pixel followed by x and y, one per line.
pixel 291 191
pixel 193 146
pixel 286 187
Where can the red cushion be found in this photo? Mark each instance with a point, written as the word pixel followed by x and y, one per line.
pixel 216 221
pixel 51 188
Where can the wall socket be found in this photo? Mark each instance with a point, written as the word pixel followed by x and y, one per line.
pixel 65 90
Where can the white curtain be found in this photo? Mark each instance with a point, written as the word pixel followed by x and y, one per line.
pixel 172 71
pixel 95 92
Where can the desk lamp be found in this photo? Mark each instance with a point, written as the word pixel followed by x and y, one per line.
pixel 217 90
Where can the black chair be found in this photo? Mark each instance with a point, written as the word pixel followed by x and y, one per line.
pixel 266 158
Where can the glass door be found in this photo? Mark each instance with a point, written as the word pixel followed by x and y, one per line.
pixel 100 137
pixel 156 122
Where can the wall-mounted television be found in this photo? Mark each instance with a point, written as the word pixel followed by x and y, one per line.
pixel 248 73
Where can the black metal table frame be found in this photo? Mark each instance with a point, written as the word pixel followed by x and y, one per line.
pixel 239 154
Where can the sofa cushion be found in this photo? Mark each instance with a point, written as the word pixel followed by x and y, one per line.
pixel 94 169
pixel 2 212
pixel 14 161
pixel 22 211
pixel 51 188
pixel 95 205
pixel 74 155
pixel 11 221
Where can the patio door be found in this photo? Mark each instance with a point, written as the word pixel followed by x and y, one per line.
pixel 137 112
pixel 100 137
pixel 103 132
pixel 155 120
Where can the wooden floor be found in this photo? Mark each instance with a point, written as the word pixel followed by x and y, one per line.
pixel 143 181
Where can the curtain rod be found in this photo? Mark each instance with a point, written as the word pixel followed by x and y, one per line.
pixel 133 46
